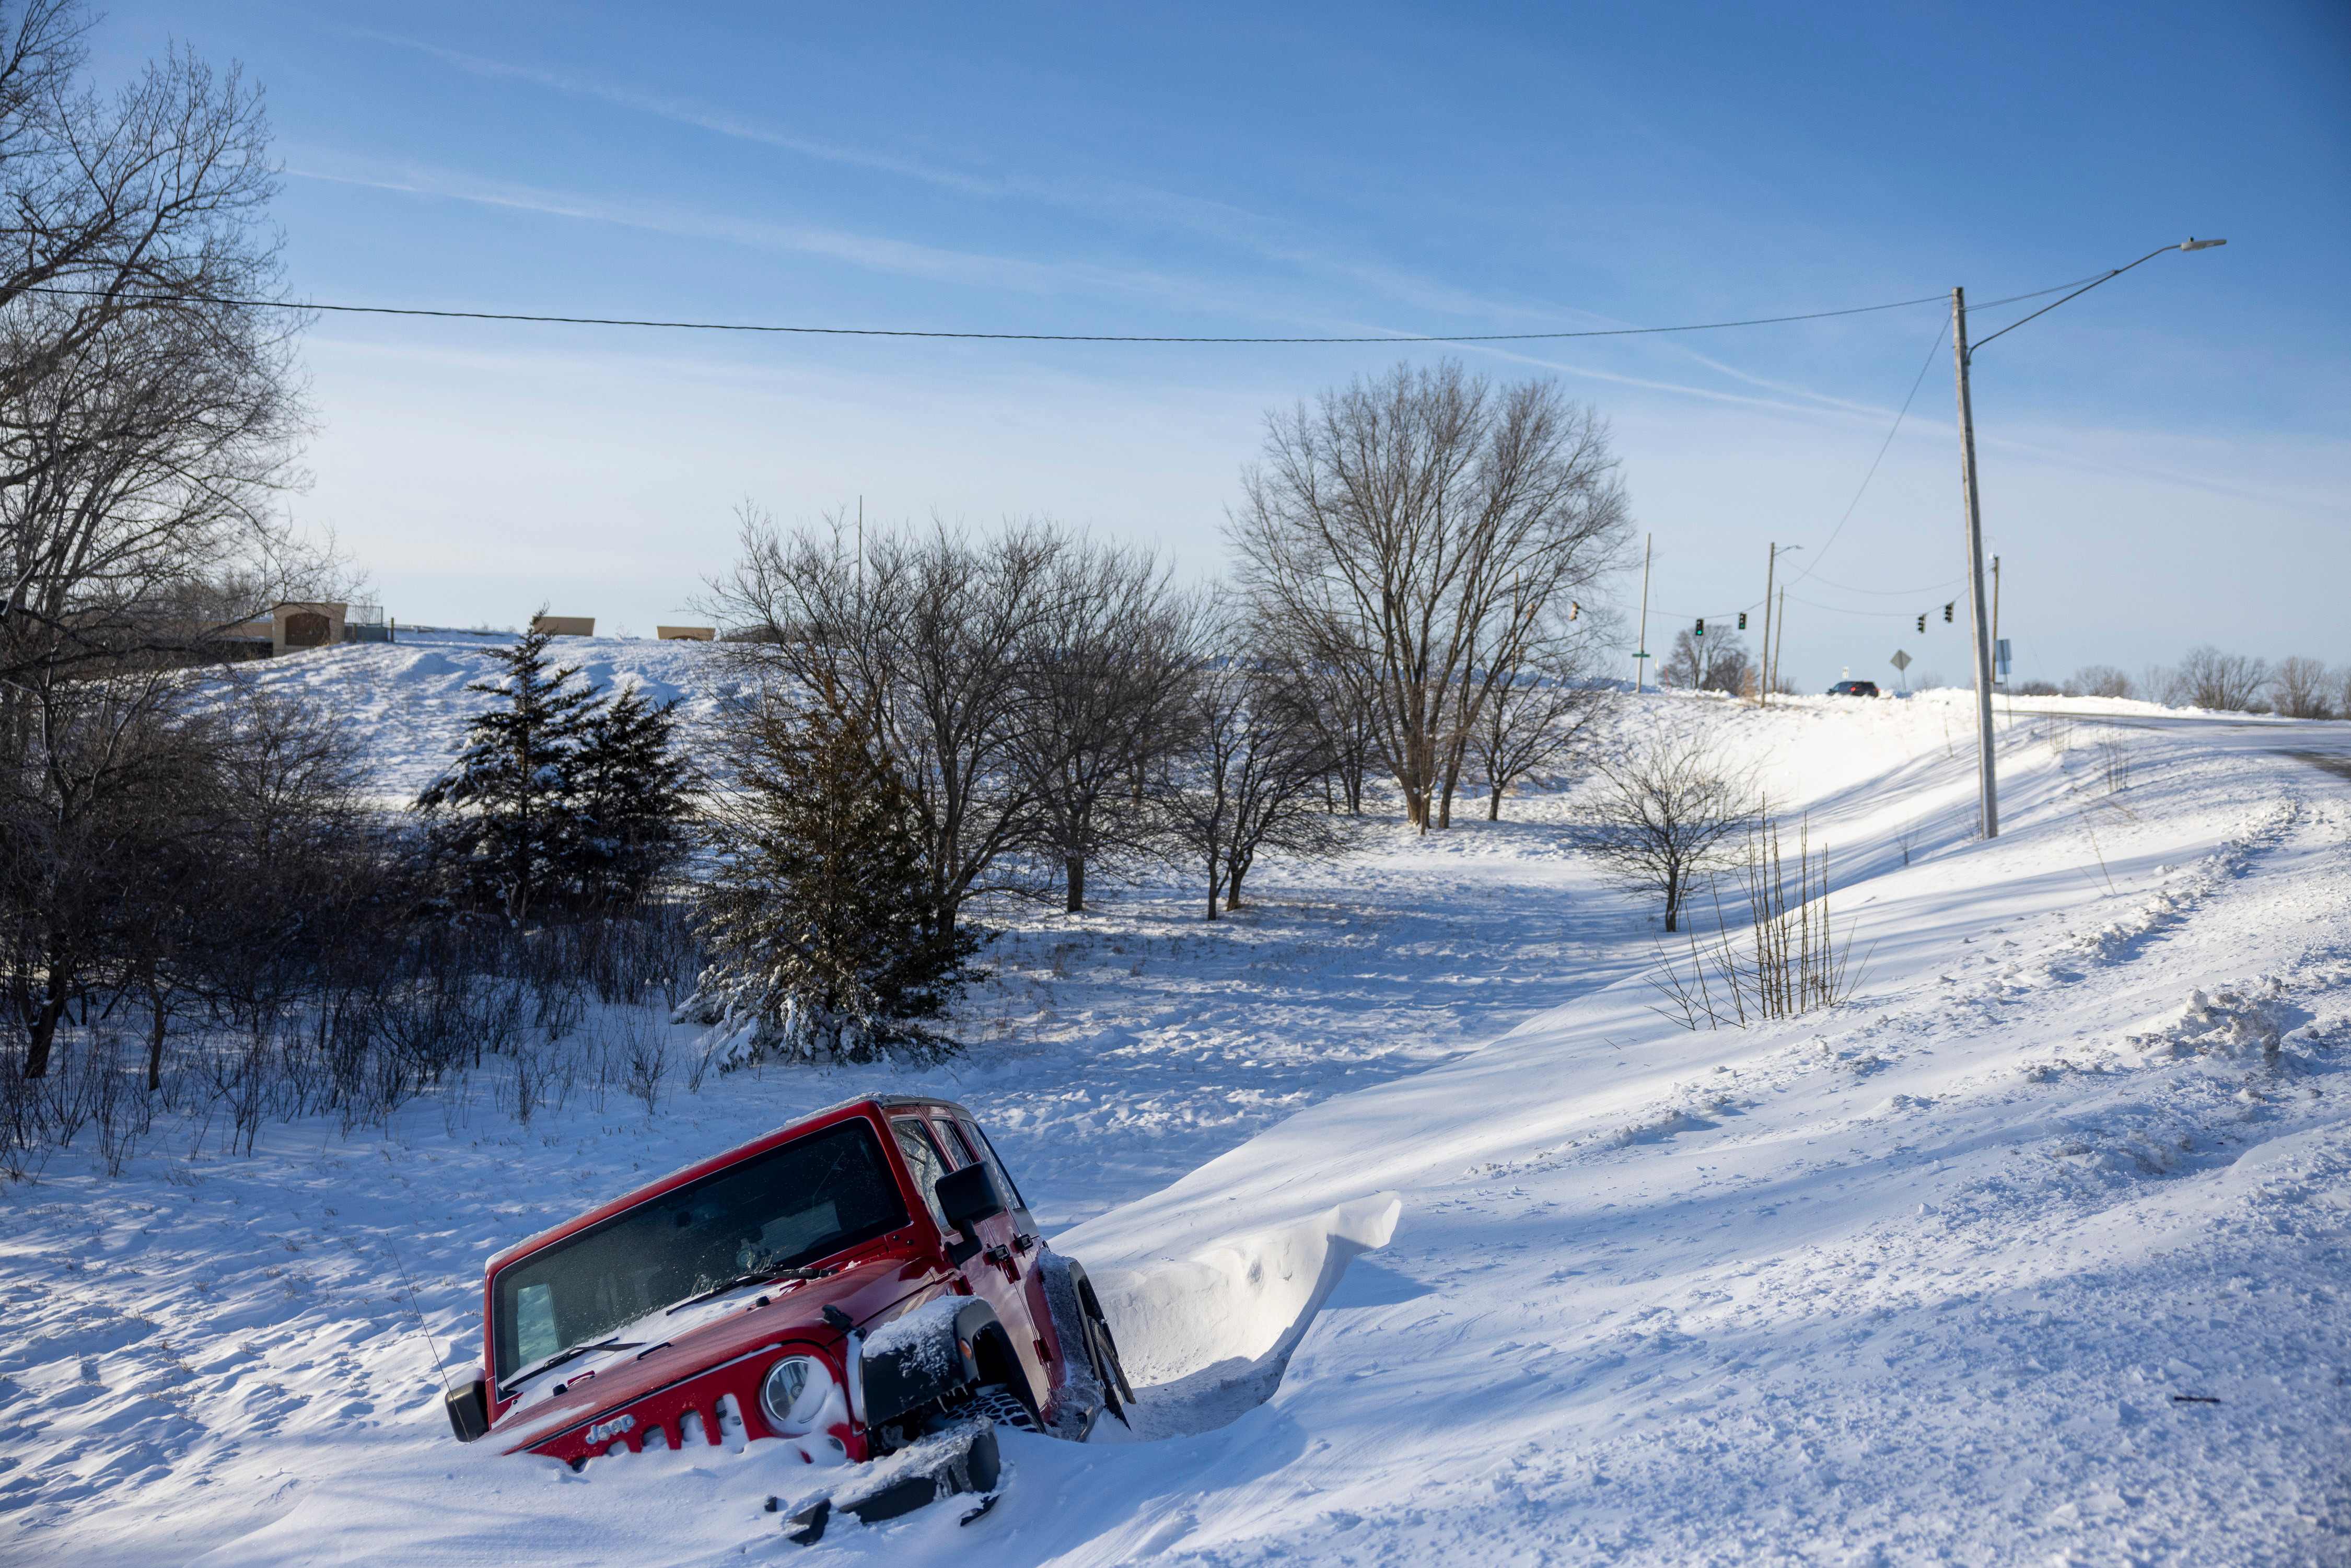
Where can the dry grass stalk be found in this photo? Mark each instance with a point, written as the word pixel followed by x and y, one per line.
pixel 1790 962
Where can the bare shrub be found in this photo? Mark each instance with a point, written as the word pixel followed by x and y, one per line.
pixel 2099 680
pixel 2114 763
pixel 2302 688
pixel 2229 683
pixel 1791 962
pixel 1665 817
pixel 648 1067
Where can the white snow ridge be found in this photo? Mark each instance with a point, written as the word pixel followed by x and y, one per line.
pixel 1427 1239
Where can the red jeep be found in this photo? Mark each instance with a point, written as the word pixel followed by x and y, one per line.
pixel 866 1285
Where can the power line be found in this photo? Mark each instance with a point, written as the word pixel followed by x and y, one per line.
pixel 1883 448
pixel 1841 609
pixel 988 336
pixel 1890 593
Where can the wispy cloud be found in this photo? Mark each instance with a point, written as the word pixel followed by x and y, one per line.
pixel 1255 234
pixel 867 252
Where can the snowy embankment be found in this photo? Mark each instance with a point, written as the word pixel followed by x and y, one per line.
pixel 1438 1243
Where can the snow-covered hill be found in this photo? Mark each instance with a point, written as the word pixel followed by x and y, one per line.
pixel 1439 1242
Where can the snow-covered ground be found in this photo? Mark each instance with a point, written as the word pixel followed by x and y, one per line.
pixel 1438 1243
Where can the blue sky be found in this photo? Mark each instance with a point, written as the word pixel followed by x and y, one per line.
pixel 2165 462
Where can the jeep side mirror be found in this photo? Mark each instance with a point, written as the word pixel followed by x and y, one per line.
pixel 469 1408
pixel 967 1196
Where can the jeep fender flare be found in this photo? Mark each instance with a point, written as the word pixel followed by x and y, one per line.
pixel 1094 1374
pixel 940 1358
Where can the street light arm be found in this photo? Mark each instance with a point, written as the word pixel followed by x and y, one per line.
pixel 2150 256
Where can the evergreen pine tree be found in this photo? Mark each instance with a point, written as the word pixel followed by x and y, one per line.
pixel 819 923
pixel 508 805
pixel 629 786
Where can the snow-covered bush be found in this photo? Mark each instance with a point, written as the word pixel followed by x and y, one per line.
pixel 825 941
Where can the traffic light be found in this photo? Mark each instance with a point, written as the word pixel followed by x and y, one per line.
pixel 1922 620
pixel 1701 625
pixel 1947 612
pixel 1574 610
pixel 1742 620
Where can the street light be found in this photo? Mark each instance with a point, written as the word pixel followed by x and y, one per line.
pixel 1962 355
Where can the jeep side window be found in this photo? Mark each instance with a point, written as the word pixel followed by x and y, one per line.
pixel 924 1162
pixel 959 1147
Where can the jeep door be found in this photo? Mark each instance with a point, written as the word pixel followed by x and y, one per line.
pixel 995 1271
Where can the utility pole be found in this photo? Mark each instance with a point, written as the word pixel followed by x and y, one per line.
pixel 1982 632
pixel 1770 659
pixel 1783 636
pixel 1641 643
pixel 1976 608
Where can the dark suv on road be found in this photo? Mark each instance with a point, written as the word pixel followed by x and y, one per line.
pixel 1853 689
pixel 865 1285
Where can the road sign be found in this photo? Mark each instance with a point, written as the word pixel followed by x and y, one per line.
pixel 1901 661
pixel 1999 654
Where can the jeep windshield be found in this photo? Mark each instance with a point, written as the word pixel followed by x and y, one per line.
pixel 797 1203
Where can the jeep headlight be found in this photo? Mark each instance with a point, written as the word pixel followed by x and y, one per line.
pixel 793 1395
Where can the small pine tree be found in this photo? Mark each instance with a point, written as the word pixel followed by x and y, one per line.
pixel 821 926
pixel 507 806
pixel 628 790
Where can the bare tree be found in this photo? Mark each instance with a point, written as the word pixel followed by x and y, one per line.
pixel 1343 705
pixel 1248 775
pixel 1102 678
pixel 145 425
pixel 1420 524
pixel 1668 815
pixel 1531 726
pixel 2301 688
pixel 1716 663
pixel 921 636
pixel 2099 680
pixel 2230 682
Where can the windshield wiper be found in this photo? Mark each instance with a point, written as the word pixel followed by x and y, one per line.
pixel 506 1389
pixel 760 1277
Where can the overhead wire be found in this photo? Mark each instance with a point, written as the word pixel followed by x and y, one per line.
pixel 1884 446
pixel 1890 592
pixel 166 298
